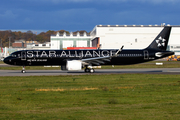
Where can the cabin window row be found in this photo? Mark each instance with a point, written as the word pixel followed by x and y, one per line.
pixel 72 55
pixel 129 55
pixel 123 55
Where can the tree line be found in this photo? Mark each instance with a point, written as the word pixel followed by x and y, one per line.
pixel 8 35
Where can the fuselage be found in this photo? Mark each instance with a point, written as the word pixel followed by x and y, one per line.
pixel 60 57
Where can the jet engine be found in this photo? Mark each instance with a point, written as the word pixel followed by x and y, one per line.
pixel 74 65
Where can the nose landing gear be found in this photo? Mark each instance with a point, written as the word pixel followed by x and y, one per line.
pixel 23 70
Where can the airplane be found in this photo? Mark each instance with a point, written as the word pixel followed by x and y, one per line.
pixel 88 59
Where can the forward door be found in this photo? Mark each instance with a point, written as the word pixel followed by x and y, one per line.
pixel 23 55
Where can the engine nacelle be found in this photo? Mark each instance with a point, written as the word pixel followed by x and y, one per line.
pixel 63 67
pixel 74 65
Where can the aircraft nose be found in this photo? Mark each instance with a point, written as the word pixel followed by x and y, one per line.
pixel 6 60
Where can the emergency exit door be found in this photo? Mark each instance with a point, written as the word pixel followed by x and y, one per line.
pixel 146 55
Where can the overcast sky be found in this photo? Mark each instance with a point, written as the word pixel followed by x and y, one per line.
pixel 73 15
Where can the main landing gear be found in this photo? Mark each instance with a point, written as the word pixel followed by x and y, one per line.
pixel 23 70
pixel 90 70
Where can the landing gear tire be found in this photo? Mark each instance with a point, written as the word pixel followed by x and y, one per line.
pixel 91 70
pixel 23 71
pixel 87 70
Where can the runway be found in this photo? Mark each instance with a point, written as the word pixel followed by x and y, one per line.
pixel 97 72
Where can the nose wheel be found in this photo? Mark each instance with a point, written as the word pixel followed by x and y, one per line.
pixel 23 70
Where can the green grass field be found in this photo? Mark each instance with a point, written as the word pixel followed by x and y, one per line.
pixel 91 97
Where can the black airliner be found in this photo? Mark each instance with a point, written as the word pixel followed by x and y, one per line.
pixel 79 59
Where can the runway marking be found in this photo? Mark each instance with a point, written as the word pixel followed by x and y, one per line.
pixel 98 72
pixel 173 71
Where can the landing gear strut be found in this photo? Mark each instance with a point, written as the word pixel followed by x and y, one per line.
pixel 23 70
pixel 90 70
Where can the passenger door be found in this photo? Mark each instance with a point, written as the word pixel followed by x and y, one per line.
pixel 146 55
pixel 23 55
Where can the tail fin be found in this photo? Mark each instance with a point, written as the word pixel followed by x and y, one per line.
pixel 161 41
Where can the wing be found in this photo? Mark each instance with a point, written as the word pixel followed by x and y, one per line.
pixel 100 60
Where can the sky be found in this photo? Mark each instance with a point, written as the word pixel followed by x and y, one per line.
pixel 73 15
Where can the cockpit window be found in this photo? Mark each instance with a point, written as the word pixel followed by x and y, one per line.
pixel 13 55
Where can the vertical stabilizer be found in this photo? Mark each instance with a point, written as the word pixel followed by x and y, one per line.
pixel 161 41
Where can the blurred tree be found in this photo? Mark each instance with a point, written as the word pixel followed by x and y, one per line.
pixel 29 35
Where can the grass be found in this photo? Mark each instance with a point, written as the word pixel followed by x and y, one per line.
pixel 90 97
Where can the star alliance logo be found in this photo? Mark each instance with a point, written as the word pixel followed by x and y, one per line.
pixel 161 42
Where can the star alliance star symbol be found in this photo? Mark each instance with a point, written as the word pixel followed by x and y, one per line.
pixel 161 42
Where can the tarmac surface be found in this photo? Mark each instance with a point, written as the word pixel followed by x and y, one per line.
pixel 97 72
